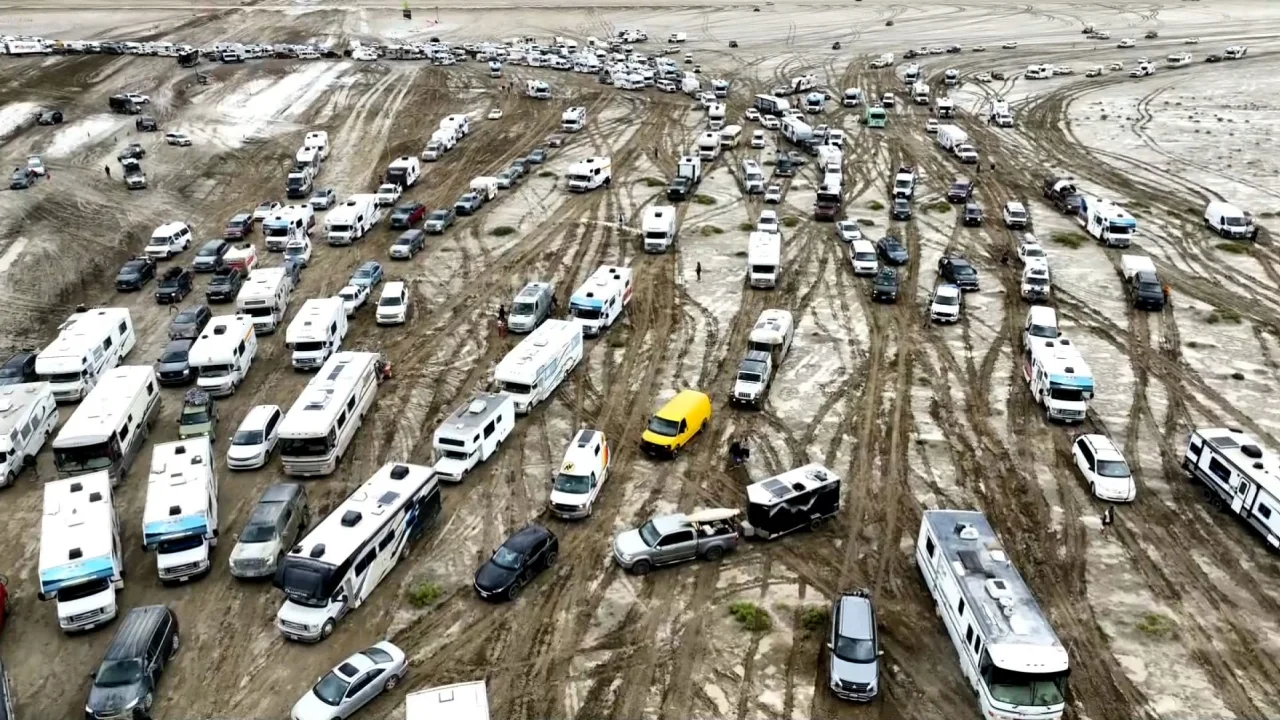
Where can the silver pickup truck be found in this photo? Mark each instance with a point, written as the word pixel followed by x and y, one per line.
pixel 670 539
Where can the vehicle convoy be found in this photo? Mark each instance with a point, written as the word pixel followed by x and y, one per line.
pixel 677 538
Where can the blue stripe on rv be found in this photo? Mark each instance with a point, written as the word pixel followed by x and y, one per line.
pixel 1075 381
pixel 77 572
pixel 161 530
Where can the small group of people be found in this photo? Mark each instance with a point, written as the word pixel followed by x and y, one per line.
pixel 739 452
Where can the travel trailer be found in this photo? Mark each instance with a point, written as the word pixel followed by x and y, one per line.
pixel 805 497
pixel 532 370
pixel 1240 474
pixel 28 416
pixel 472 434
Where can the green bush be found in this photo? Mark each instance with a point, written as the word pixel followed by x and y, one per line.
pixel 941 206
pixel 654 182
pixel 425 594
pixel 815 618
pixel 502 231
pixel 1070 239
pixel 751 616
pixel 875 205
pixel 1234 248
pixel 546 173
pixel 746 226
pixel 1223 315
pixel 711 230
pixel 1157 625
pixel 790 221
pixel 704 199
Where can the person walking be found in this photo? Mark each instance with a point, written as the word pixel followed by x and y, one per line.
pixel 697 270
pixel 1108 519
pixel 1168 294
pixel 502 320
pixel 108 169
pixel 1253 234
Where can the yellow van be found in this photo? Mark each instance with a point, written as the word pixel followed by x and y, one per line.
pixel 672 427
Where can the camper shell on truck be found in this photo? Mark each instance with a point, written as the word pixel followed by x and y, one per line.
pixel 801 498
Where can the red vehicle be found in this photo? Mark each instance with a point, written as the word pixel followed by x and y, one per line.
pixel 4 599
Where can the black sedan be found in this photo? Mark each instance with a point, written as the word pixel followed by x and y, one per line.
pixel 133 151
pixel 135 274
pixel 404 216
pixel 884 288
pixel 892 251
pixel 50 117
pixel 530 551
pixel 20 368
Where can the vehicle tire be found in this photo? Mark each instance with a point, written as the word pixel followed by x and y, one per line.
pixel 816 524
pixel 173 648
pixel 513 592
pixel 641 567
pixel 1093 490
pixel 391 683
pixel 714 553
pixel 144 707
pixel 327 629
pixel 10 478
pixel 551 558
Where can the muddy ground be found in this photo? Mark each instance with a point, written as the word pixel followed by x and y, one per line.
pixel 912 416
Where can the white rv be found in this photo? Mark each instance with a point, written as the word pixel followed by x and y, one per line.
pixel 460 123
pixel 319 426
pixel 773 332
pixel 1008 651
pixel 180 519
pixel 462 701
pixel 404 171
pixel 708 145
pixel 339 564
pixel 764 259
pixel 81 564
pixel 89 343
pixel 537 89
pixel 1240 474
pixel 316 332
pixel 573 119
pixel 318 139
pixel 852 97
pixel 223 354
pixel 589 174
pixel 582 473
pixel 28 415
pixel 536 367
pixel 752 177
pixel 264 297
pixel 1058 377
pixel 598 304
pixel 920 92
pixel 1228 220
pixel 108 429
pixel 441 142
pixel 659 228
pixel 282 227
pixel 472 434
pixel 349 221
pixel 1107 222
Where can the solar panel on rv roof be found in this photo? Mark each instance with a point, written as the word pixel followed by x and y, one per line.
pixel 777 488
pixel 1226 442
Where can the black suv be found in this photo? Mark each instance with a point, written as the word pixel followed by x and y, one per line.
pixel 20 368
pixel 961 190
pixel 901 209
pixel 959 272
pixel 679 189
pixel 172 368
pixel 972 214
pixel 189 322
pixel 884 288
pixel 174 286
pixel 135 273
pixel 892 251
pixel 225 284
pixel 125 683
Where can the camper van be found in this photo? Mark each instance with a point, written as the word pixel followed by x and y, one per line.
pixel 730 136
pixel 81 563
pixel 589 174
pixel 530 307
pixel 764 259
pixel 89 343
pixel 659 228
pixel 1107 222
pixel 180 519
pixel 537 89
pixel 536 366
pixel 108 429
pixel 282 227
pixel 598 304
pixel 321 423
pixel 752 178
pixel 349 221
pixel 771 105
pixel 338 565
pixel 471 434
pixel 222 355
pixel 852 97
pixel 1058 377
pixel 264 298
pixel 805 497
pixel 316 332
pixel 581 476
pixel 28 416
pixel 573 119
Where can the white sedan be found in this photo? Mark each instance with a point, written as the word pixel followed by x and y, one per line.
pixel 848 231
pixel 1010 46
pixel 752 114
pixel 979 48
pixel 983 77
pixel 353 683
pixel 138 98
pixel 773 194
pixel 495 114
pixel 931 125
pixel 353 296
pixel 1104 468
pixel 1192 41
pixel 1063 70
pixel 178 139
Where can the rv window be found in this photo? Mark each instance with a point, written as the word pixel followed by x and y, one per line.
pixel 1086 451
pixel 106 344
pixel 977 646
pixel 351 404
pixel 382 545
pixel 960 608
pixel 151 389
pixel 123 327
pixel 929 547
pixel 342 419
pixel 363 563
pixel 968 634
pixel 16 437
pixel 1243 487
pixel 35 423
pixel 488 429
pixel 1264 511
pixel 1222 472
pixel 240 348
pixel 123 434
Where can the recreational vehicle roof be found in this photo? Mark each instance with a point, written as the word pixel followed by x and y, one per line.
pixel 1247 454
pixel 177 496
pixel 344 530
pixel 14 401
pixel 1002 604
pixel 772 327
pixel 783 487
pixel 463 701
pixel 262 284
pixel 103 410
pixel 605 282
pixel 76 534
pixel 315 410
pixel 310 324
pixel 522 363
pixel 466 420
pixel 79 334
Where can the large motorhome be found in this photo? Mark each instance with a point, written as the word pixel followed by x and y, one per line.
pixel 339 564
pixel 349 221
pixel 316 332
pixel 1240 474
pixel 764 259
pixel 81 564
pixel 180 519
pixel 573 119
pixel 282 227
pixel 752 177
pixel 462 701
pixel 28 415
pixel 472 434
pixel 319 426
pixel 89 343
pixel 598 304
pixel 109 428
pixel 592 173
pixel 264 297
pixel 1059 378
pixel 773 333
pixel 223 354
pixel 801 498
pixel 659 228
pixel 536 367
pixel 1107 222
pixel 1007 649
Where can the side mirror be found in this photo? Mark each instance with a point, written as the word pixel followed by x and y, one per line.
pixel 831 647
pixel 879 653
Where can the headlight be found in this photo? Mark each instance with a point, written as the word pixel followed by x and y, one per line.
pixel 131 705
pixel 624 557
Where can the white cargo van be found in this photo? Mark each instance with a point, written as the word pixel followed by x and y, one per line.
pixel 404 171
pixel 659 228
pixel 316 332
pixel 1228 220
pixel 471 434
pixel 222 355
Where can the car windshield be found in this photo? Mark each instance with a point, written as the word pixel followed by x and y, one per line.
pixel 855 651
pixel 1033 252
pixel 664 427
pixel 1073 395
pixel 174 356
pixel 1024 689
pixel 749 377
pixel 215 371
pixel 331 689
pixel 83 590
pixel 962 270
pixel 61 377
pixel 649 534
pixel 507 558
pixel 1113 468
pixel 585 313
pixel 437 215
pixel 258 532
pixel 10 371
pixel 190 542
pixel 117 673
pixel 194 416
pixel 941 299
pixel 523 308
pixel 864 256
pixel 573 484
pixel 186 316
pixel 209 250
pixel 247 437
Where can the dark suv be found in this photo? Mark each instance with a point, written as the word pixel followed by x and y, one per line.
pixel 854 648
pixel 174 286
pixel 225 284
pixel 135 273
pixel 173 368
pixel 20 368
pixel 884 288
pixel 961 190
pixel 125 684
pixel 972 214
pixel 239 226
pixel 959 272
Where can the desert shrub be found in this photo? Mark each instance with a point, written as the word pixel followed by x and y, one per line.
pixel 424 594
pixel 1070 239
pixel 751 616
pixel 502 231
pixel 704 199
